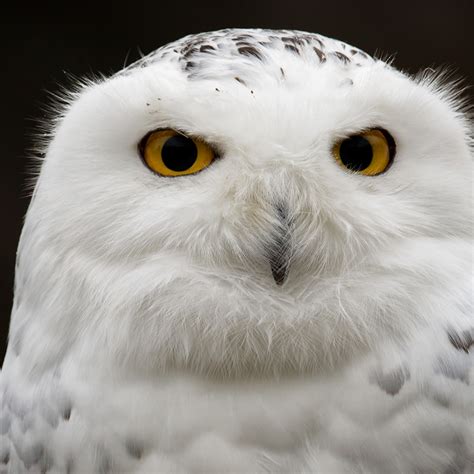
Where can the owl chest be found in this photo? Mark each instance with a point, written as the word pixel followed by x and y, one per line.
pixel 186 427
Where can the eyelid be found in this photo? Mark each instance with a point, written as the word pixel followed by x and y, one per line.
pixel 218 149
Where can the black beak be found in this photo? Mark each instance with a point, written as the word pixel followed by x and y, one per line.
pixel 279 252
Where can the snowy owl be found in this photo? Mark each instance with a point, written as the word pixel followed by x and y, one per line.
pixel 250 251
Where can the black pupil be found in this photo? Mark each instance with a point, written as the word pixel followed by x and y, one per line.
pixel 356 153
pixel 179 153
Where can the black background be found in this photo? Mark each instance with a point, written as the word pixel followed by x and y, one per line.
pixel 39 45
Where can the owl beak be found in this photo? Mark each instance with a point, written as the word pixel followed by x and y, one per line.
pixel 279 251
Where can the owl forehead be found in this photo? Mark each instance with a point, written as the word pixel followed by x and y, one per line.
pixel 227 52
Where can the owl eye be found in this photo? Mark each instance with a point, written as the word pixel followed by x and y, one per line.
pixel 171 153
pixel 369 153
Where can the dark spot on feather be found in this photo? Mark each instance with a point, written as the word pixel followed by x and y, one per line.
pixel 320 54
pixel 250 51
pixel 66 412
pixel 186 48
pixel 134 448
pixel 189 53
pixel 217 89
pixel 342 57
pixel 240 80
pixel 189 65
pixel 242 37
pixel 147 104
pixel 292 48
pixel 346 82
pixel 390 382
pixel 206 48
pixel 298 41
pixel 5 459
pixel 251 92
pixel 463 341
pixel 282 73
pixel 243 44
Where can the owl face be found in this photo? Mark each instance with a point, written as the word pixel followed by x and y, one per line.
pixel 329 192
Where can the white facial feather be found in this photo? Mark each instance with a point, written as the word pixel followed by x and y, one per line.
pixel 163 272
pixel 156 294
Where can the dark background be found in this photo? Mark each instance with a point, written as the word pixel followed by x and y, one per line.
pixel 39 45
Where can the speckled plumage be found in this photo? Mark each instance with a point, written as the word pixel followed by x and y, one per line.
pixel 193 51
pixel 149 333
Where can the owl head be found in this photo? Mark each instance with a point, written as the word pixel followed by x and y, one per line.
pixel 245 202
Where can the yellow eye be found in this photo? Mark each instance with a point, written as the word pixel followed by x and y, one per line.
pixel 171 153
pixel 369 153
